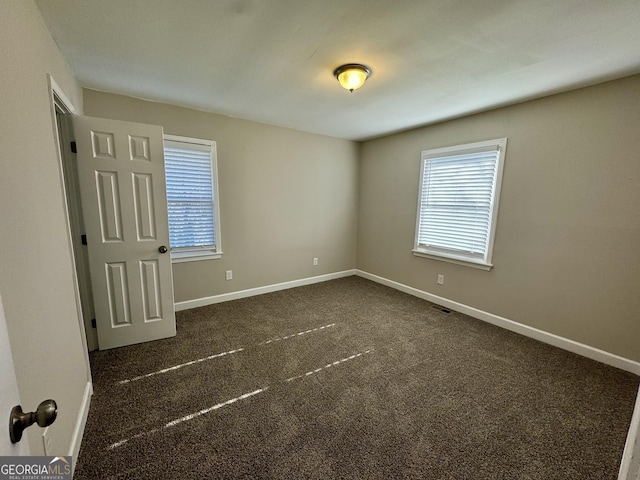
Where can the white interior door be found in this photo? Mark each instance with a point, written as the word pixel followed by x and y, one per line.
pixel 9 396
pixel 124 204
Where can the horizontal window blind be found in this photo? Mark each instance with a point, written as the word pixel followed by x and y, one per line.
pixel 190 195
pixel 457 200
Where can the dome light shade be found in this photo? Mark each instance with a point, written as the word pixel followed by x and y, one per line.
pixel 352 75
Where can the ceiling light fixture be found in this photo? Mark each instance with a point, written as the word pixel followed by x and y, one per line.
pixel 352 75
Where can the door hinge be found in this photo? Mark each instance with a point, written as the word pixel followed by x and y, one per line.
pixel 83 239
pixel 74 149
pixel 93 323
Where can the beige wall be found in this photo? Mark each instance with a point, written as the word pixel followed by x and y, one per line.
pixel 567 247
pixel 36 268
pixel 285 197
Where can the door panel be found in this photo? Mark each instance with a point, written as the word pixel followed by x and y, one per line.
pixel 108 192
pixel 118 294
pixel 122 186
pixel 150 274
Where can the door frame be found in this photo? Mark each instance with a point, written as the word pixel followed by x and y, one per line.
pixel 60 102
pixel 74 207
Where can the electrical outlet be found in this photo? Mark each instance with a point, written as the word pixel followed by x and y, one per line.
pixel 228 275
pixel 315 260
pixel 440 279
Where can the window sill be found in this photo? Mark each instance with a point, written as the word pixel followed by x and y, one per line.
pixel 453 259
pixel 181 257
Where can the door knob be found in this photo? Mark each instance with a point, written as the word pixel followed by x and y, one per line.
pixel 163 249
pixel 44 416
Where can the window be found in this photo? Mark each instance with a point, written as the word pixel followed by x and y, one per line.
pixel 192 198
pixel 458 203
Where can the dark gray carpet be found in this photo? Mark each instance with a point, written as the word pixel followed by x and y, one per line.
pixel 349 379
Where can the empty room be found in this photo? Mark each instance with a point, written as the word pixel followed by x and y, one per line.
pixel 358 239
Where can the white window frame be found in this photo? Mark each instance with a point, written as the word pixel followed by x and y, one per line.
pixel 456 256
pixel 191 254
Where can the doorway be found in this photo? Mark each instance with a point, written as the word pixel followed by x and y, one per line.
pixel 116 208
pixel 65 137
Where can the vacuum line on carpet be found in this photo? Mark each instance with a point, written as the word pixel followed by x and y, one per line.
pixel 218 355
pixel 297 334
pixel 187 417
pixel 191 416
pixel 329 365
pixel 176 367
pixel 215 407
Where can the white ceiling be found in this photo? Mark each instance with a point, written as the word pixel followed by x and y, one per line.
pixel 272 60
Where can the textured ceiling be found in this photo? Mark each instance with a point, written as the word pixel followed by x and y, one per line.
pixel 272 60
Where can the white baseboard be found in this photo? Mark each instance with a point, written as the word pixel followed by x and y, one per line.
pixel 225 297
pixel 531 332
pixel 81 422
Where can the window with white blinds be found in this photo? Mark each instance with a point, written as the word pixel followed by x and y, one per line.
pixel 192 200
pixel 458 202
